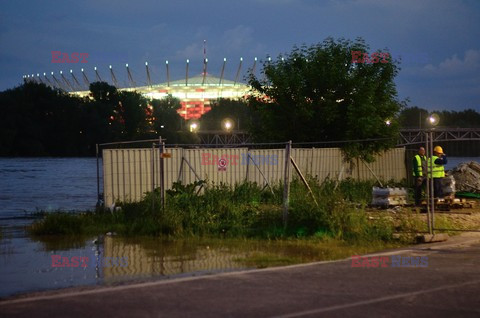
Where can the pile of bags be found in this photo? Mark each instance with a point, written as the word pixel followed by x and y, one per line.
pixel 449 186
pixel 467 177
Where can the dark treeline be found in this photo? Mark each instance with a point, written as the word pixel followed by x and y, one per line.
pixel 37 120
pixel 415 117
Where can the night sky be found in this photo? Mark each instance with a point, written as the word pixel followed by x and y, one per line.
pixel 439 40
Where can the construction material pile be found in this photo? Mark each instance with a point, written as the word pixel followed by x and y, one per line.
pixel 467 177
pixel 386 197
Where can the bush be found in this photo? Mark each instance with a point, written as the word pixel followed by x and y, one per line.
pixel 242 210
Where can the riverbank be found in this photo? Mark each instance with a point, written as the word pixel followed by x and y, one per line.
pixel 257 241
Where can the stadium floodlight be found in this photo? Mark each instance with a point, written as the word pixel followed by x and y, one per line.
pixel 110 66
pixel 82 69
pixel 52 73
pixel 224 59
pixel 241 59
pixel 188 61
pixel 61 72
pixel 44 74
pixel 126 65
pixel 166 62
pixel 95 68
pixel 38 75
pixel 255 58
pixel 146 63
pixel 71 71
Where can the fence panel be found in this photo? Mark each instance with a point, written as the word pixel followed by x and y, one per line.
pixel 127 173
pixel 269 161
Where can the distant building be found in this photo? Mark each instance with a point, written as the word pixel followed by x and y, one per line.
pixel 195 94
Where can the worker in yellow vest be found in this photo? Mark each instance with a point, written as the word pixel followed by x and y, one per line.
pixel 436 168
pixel 419 165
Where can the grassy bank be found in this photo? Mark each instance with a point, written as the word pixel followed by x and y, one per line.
pixel 242 211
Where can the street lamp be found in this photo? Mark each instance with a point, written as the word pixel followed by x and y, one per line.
pixel 433 120
pixel 194 127
pixel 227 124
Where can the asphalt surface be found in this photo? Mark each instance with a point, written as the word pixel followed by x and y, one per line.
pixel 448 287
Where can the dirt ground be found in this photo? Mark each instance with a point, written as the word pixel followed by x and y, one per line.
pixel 455 219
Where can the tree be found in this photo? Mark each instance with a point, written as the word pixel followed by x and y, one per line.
pixel 235 110
pixel 167 123
pixel 132 111
pixel 413 117
pixel 317 93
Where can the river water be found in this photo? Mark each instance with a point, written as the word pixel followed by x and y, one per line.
pixel 28 264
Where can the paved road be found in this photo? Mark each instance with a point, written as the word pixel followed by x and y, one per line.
pixel 448 287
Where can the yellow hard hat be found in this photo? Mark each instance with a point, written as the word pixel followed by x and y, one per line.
pixel 438 149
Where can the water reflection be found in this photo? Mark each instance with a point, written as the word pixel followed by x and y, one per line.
pixel 28 264
pixel 155 257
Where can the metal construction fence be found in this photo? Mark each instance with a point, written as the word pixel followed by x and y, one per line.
pixel 129 173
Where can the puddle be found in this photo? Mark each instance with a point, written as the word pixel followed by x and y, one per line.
pixel 39 264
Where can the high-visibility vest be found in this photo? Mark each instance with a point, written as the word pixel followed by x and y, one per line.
pixel 421 161
pixel 435 171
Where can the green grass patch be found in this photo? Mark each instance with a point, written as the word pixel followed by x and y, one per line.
pixel 244 210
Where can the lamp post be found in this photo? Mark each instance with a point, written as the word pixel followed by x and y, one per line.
pixel 432 121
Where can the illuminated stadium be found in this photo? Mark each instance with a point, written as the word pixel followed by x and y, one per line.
pixel 195 93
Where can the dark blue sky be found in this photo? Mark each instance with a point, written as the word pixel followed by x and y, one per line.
pixel 438 39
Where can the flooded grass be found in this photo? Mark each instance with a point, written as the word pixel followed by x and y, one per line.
pixel 290 252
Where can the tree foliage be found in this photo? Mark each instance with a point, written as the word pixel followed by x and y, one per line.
pixel 38 120
pixel 316 93
pixel 235 110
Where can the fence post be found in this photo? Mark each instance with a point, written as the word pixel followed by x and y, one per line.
pixel 153 175
pixel 162 174
pixel 432 192
pixel 286 182
pixel 427 185
pixel 98 178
